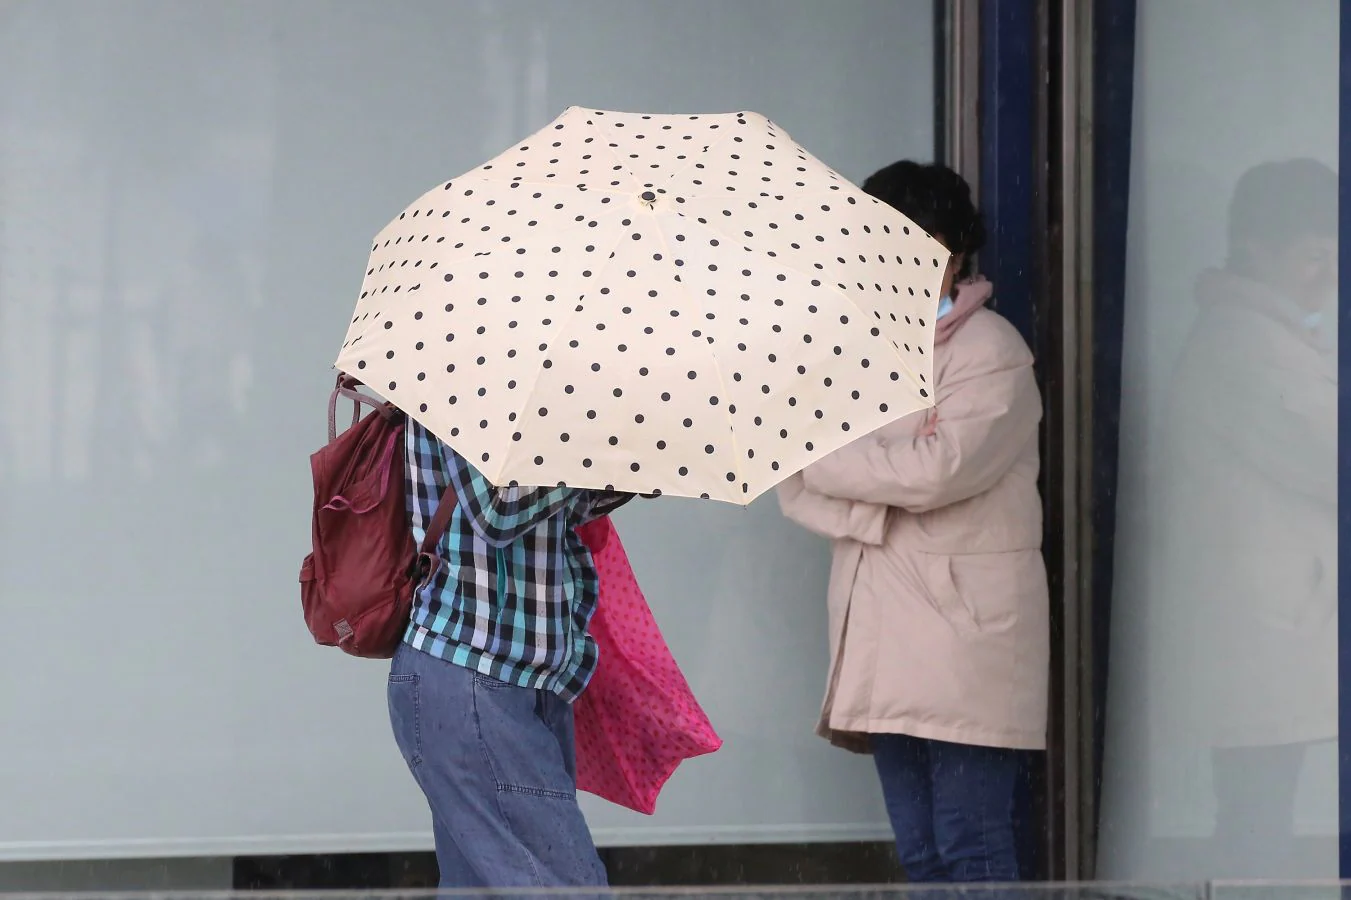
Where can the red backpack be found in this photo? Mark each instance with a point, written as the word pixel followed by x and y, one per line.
pixel 356 587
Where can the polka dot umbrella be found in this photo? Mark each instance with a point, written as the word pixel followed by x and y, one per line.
pixel 686 305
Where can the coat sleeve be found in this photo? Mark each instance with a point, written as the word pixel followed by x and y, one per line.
pixel 831 517
pixel 987 410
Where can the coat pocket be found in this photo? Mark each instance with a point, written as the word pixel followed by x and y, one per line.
pixel 975 593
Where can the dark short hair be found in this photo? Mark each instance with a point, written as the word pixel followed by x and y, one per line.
pixel 1278 202
pixel 935 198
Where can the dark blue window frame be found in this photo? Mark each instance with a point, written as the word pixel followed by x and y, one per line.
pixel 1008 119
pixel 1343 441
pixel 1012 150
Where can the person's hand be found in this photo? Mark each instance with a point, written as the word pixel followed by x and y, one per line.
pixel 930 426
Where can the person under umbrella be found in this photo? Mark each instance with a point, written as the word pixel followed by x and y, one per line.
pixel 489 737
pixel 621 304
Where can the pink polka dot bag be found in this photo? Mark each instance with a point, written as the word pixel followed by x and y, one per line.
pixel 638 719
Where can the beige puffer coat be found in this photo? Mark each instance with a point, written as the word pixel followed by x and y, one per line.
pixel 938 596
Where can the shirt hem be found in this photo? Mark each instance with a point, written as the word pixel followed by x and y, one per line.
pixel 567 686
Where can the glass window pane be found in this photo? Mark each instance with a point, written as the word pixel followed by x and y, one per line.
pixel 1221 744
pixel 188 192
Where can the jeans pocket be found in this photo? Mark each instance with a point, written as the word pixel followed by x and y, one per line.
pixel 405 716
pixel 521 749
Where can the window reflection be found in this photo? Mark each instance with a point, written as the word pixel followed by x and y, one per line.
pixel 1222 698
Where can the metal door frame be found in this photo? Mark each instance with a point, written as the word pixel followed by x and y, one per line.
pixel 1018 94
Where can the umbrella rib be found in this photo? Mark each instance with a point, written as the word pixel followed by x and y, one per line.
pixel 562 327
pixel 726 135
pixel 717 364
pixel 468 253
pixel 693 159
pixel 914 376
pixel 600 190
pixel 610 139
pixel 498 181
pixel 832 288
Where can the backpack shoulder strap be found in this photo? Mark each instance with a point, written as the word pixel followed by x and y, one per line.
pixel 347 387
pixel 426 562
pixel 440 520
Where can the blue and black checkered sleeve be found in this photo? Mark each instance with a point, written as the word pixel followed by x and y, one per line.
pixel 501 516
pixel 603 503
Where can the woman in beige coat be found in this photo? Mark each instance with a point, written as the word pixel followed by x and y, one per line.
pixel 938 597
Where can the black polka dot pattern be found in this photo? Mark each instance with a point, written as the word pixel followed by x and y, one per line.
pixel 690 305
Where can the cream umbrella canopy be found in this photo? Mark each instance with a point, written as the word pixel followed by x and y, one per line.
pixel 690 305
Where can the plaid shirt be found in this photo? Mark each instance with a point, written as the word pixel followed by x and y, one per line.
pixel 517 587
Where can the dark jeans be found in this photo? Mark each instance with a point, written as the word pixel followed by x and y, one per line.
pixel 498 767
pixel 951 806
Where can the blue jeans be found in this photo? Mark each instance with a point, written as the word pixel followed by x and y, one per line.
pixel 498 767
pixel 951 807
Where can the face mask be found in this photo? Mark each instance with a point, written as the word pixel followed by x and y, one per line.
pixel 945 305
